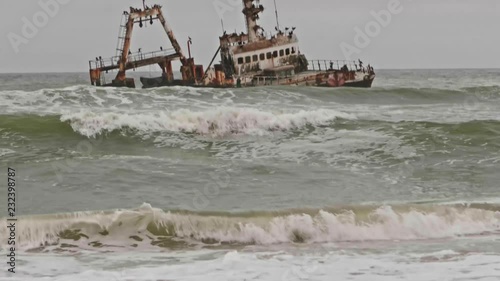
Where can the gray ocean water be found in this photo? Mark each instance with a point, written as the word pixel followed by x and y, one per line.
pixel 397 182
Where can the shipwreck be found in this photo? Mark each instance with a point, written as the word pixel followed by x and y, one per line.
pixel 247 59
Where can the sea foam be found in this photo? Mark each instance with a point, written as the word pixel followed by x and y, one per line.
pixel 218 122
pixel 148 226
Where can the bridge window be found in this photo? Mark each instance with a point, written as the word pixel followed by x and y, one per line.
pixel 282 53
pixel 255 58
pixel 293 50
pixel 269 55
pixel 262 56
pixel 275 54
pixel 240 60
pixel 248 59
pixel 287 51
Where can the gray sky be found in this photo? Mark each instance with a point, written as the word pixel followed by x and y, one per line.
pixel 425 34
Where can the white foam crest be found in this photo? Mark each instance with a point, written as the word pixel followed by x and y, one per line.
pixel 36 231
pixel 258 265
pixel 218 122
pixel 382 224
pixel 18 101
pixel 43 101
pixel 6 151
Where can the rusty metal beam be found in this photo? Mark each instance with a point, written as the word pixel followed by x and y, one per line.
pixel 138 63
pixel 126 48
pixel 210 65
pixel 171 37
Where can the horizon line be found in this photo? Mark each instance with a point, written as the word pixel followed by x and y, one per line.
pixel 457 68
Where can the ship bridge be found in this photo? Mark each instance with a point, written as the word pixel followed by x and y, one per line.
pixel 255 51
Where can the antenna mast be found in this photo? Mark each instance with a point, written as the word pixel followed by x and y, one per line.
pixel 276 10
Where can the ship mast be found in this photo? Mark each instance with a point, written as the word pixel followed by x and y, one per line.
pixel 276 11
pixel 251 12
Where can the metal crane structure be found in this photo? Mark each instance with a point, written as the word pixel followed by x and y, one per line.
pixel 126 60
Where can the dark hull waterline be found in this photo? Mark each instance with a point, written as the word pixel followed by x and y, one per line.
pixel 161 82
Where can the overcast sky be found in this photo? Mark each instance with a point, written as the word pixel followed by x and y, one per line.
pixel 424 34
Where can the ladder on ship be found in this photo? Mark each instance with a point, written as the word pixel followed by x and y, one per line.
pixel 121 35
pixel 120 45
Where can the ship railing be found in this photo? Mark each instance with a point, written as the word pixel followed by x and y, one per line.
pixel 265 80
pixel 323 65
pixel 142 56
pixel 261 80
pixel 103 62
pixel 134 57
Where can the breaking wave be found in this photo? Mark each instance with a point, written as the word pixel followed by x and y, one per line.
pixel 217 122
pixel 151 227
pixel 234 121
pixel 54 100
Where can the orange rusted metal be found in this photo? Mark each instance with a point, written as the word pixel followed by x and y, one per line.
pixel 125 62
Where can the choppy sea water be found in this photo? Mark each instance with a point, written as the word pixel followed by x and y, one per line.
pixel 397 182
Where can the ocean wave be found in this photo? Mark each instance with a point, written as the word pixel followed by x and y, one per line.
pixel 148 226
pixel 245 121
pixel 217 122
pixel 411 95
pixel 6 151
pixel 52 99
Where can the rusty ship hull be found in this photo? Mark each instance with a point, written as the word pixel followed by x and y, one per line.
pixel 250 59
pixel 308 78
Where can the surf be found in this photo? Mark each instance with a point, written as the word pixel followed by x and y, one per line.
pixel 149 227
